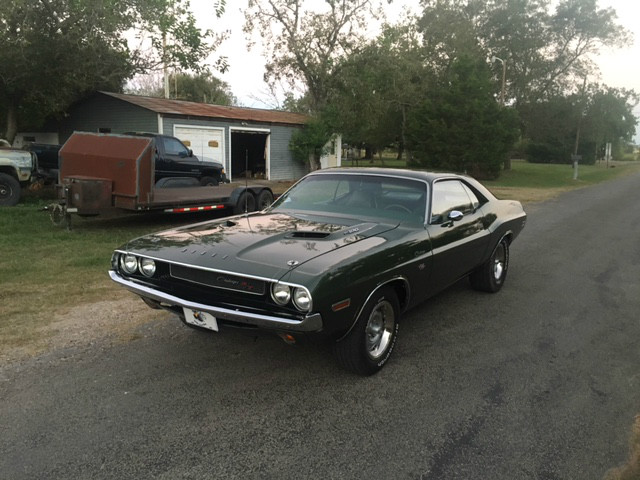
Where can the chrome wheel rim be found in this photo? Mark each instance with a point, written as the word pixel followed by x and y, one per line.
pixel 5 191
pixel 499 260
pixel 379 330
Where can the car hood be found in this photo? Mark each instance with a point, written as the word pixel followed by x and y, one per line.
pixel 264 244
pixel 200 163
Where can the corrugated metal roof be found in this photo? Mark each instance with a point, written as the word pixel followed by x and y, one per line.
pixel 182 107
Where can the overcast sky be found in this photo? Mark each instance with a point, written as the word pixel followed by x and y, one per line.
pixel 619 68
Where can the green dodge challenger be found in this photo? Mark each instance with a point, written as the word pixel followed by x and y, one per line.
pixel 339 256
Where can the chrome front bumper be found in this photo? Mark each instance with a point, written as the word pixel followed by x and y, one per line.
pixel 311 323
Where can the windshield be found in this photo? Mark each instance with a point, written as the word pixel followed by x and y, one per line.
pixel 358 195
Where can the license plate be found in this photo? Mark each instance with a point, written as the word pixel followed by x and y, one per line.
pixel 200 319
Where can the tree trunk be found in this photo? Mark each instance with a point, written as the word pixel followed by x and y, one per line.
pixel 12 121
pixel 403 139
pixel 368 153
pixel 314 163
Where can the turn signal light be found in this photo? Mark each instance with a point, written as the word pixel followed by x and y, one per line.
pixel 288 338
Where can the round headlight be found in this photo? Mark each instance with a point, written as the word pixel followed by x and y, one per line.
pixel 129 263
pixel 302 299
pixel 147 267
pixel 280 293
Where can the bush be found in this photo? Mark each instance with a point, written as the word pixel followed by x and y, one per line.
pixel 544 153
pixel 537 152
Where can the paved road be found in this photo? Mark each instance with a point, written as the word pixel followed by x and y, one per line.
pixel 540 381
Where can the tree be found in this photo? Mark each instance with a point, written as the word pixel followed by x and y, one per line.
pixel 176 42
pixel 307 144
pixel 203 88
pixel 609 118
pixel 547 52
pixel 460 126
pixel 54 51
pixel 605 116
pixel 549 127
pixel 377 86
pixel 303 46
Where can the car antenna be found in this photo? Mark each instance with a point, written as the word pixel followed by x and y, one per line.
pixel 246 187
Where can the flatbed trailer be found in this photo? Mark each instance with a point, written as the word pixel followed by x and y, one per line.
pixel 106 173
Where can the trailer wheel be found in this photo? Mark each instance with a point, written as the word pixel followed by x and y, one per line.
pixel 265 198
pixel 246 203
pixel 58 214
pixel 9 190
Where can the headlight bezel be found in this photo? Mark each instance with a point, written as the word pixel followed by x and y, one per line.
pixel 129 263
pixel 298 300
pixel 277 288
pixel 144 262
pixel 287 294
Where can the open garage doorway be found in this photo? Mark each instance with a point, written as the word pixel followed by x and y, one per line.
pixel 249 154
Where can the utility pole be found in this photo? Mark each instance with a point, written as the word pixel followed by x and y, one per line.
pixel 165 70
pixel 575 158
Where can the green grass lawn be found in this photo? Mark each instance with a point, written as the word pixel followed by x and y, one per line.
pixel 46 269
pixel 533 182
pixel 535 175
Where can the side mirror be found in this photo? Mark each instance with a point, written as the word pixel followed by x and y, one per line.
pixel 190 152
pixel 455 215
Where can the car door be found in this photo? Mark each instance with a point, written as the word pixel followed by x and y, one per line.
pixel 176 159
pixel 458 236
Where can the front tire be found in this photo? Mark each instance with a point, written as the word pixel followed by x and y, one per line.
pixel 490 276
pixel 9 190
pixel 209 182
pixel 369 344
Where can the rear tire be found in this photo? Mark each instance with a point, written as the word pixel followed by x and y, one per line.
pixel 265 198
pixel 246 203
pixel 9 190
pixel 369 344
pixel 490 276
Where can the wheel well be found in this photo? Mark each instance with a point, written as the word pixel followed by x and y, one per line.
pixel 9 171
pixel 401 287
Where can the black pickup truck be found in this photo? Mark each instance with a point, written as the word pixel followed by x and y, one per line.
pixel 174 159
pixel 176 165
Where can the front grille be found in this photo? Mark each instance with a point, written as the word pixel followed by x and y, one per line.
pixel 219 280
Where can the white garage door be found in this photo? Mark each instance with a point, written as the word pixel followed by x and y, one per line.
pixel 206 143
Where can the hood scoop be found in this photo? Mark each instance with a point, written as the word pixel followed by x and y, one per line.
pixel 308 234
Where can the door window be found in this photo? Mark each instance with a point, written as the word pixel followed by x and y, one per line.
pixel 175 147
pixel 449 195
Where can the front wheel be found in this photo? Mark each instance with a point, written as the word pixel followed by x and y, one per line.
pixel 209 182
pixel 490 276
pixel 9 190
pixel 368 346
